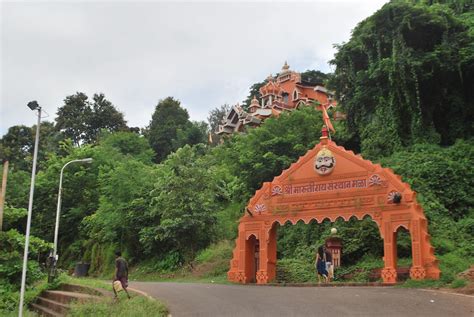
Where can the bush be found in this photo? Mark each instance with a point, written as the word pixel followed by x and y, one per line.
pixel 457 283
pixel 295 271
pixel 12 244
pixel 360 272
pixel 453 263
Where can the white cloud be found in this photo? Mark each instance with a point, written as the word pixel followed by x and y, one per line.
pixel 202 53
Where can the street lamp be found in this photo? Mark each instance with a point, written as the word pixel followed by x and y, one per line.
pixel 33 105
pixel 58 210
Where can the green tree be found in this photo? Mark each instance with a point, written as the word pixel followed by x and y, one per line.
pixel 17 145
pixel 214 119
pixel 183 201
pixel 193 133
pixel 18 187
pixel 406 71
pixel 82 120
pixel 129 144
pixel 432 171
pixel 167 119
pixel 314 77
pixel 72 118
pixel 104 116
pixel 254 92
pixel 123 208
pixel 264 152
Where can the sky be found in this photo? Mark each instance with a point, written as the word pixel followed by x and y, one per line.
pixel 204 54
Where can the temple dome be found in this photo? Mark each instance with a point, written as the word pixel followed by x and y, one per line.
pixel 285 68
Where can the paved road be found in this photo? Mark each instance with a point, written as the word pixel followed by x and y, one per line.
pixel 193 299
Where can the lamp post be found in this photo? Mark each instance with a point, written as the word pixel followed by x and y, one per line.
pixel 33 105
pixel 58 210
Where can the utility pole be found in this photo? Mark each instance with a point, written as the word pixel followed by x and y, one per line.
pixel 4 191
pixel 33 105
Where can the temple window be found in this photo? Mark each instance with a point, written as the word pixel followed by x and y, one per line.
pixel 285 97
pixel 235 119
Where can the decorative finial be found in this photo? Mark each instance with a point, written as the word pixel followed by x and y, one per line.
pixel 270 77
pixel 254 102
pixel 324 137
pixel 285 67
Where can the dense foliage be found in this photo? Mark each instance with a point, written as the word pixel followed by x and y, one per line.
pixel 11 258
pixel 406 76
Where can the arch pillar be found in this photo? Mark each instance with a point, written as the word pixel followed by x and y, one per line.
pixel 389 272
pixel 425 264
pixel 417 271
pixel 249 265
pixel 268 253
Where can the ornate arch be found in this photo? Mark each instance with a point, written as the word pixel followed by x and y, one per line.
pixel 329 182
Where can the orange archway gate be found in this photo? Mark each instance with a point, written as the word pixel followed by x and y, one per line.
pixel 331 182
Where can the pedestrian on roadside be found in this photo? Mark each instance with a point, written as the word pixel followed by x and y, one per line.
pixel 320 264
pixel 121 273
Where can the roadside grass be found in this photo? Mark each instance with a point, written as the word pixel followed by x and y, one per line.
pixel 137 306
pixel 177 277
pixel 26 313
pixel 87 281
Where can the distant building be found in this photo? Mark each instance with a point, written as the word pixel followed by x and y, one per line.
pixel 284 92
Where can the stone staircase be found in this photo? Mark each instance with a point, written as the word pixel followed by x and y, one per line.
pixel 56 303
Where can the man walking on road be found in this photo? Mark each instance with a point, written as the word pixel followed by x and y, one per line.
pixel 121 273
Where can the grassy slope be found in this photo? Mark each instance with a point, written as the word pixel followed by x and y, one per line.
pixel 137 306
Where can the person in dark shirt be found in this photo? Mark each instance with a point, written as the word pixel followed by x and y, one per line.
pixel 320 264
pixel 121 272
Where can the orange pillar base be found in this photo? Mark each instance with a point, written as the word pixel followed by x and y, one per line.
pixel 389 275
pixel 417 273
pixel 262 277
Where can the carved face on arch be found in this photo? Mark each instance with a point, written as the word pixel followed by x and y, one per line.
pixel 325 162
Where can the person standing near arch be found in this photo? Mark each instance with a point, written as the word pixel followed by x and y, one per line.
pixel 329 265
pixel 320 264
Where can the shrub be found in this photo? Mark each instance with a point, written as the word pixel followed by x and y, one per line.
pixel 295 271
pixel 214 260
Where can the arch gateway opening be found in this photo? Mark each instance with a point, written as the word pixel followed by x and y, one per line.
pixel 331 182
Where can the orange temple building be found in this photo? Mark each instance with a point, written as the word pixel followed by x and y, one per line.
pixel 329 182
pixel 284 92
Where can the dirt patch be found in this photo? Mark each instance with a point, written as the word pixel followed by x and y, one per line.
pixel 469 276
pixel 212 268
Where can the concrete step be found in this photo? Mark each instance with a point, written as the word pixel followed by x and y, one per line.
pixel 53 305
pixel 66 297
pixel 84 290
pixel 45 311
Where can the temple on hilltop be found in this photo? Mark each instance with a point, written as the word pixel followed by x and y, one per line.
pixel 285 92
